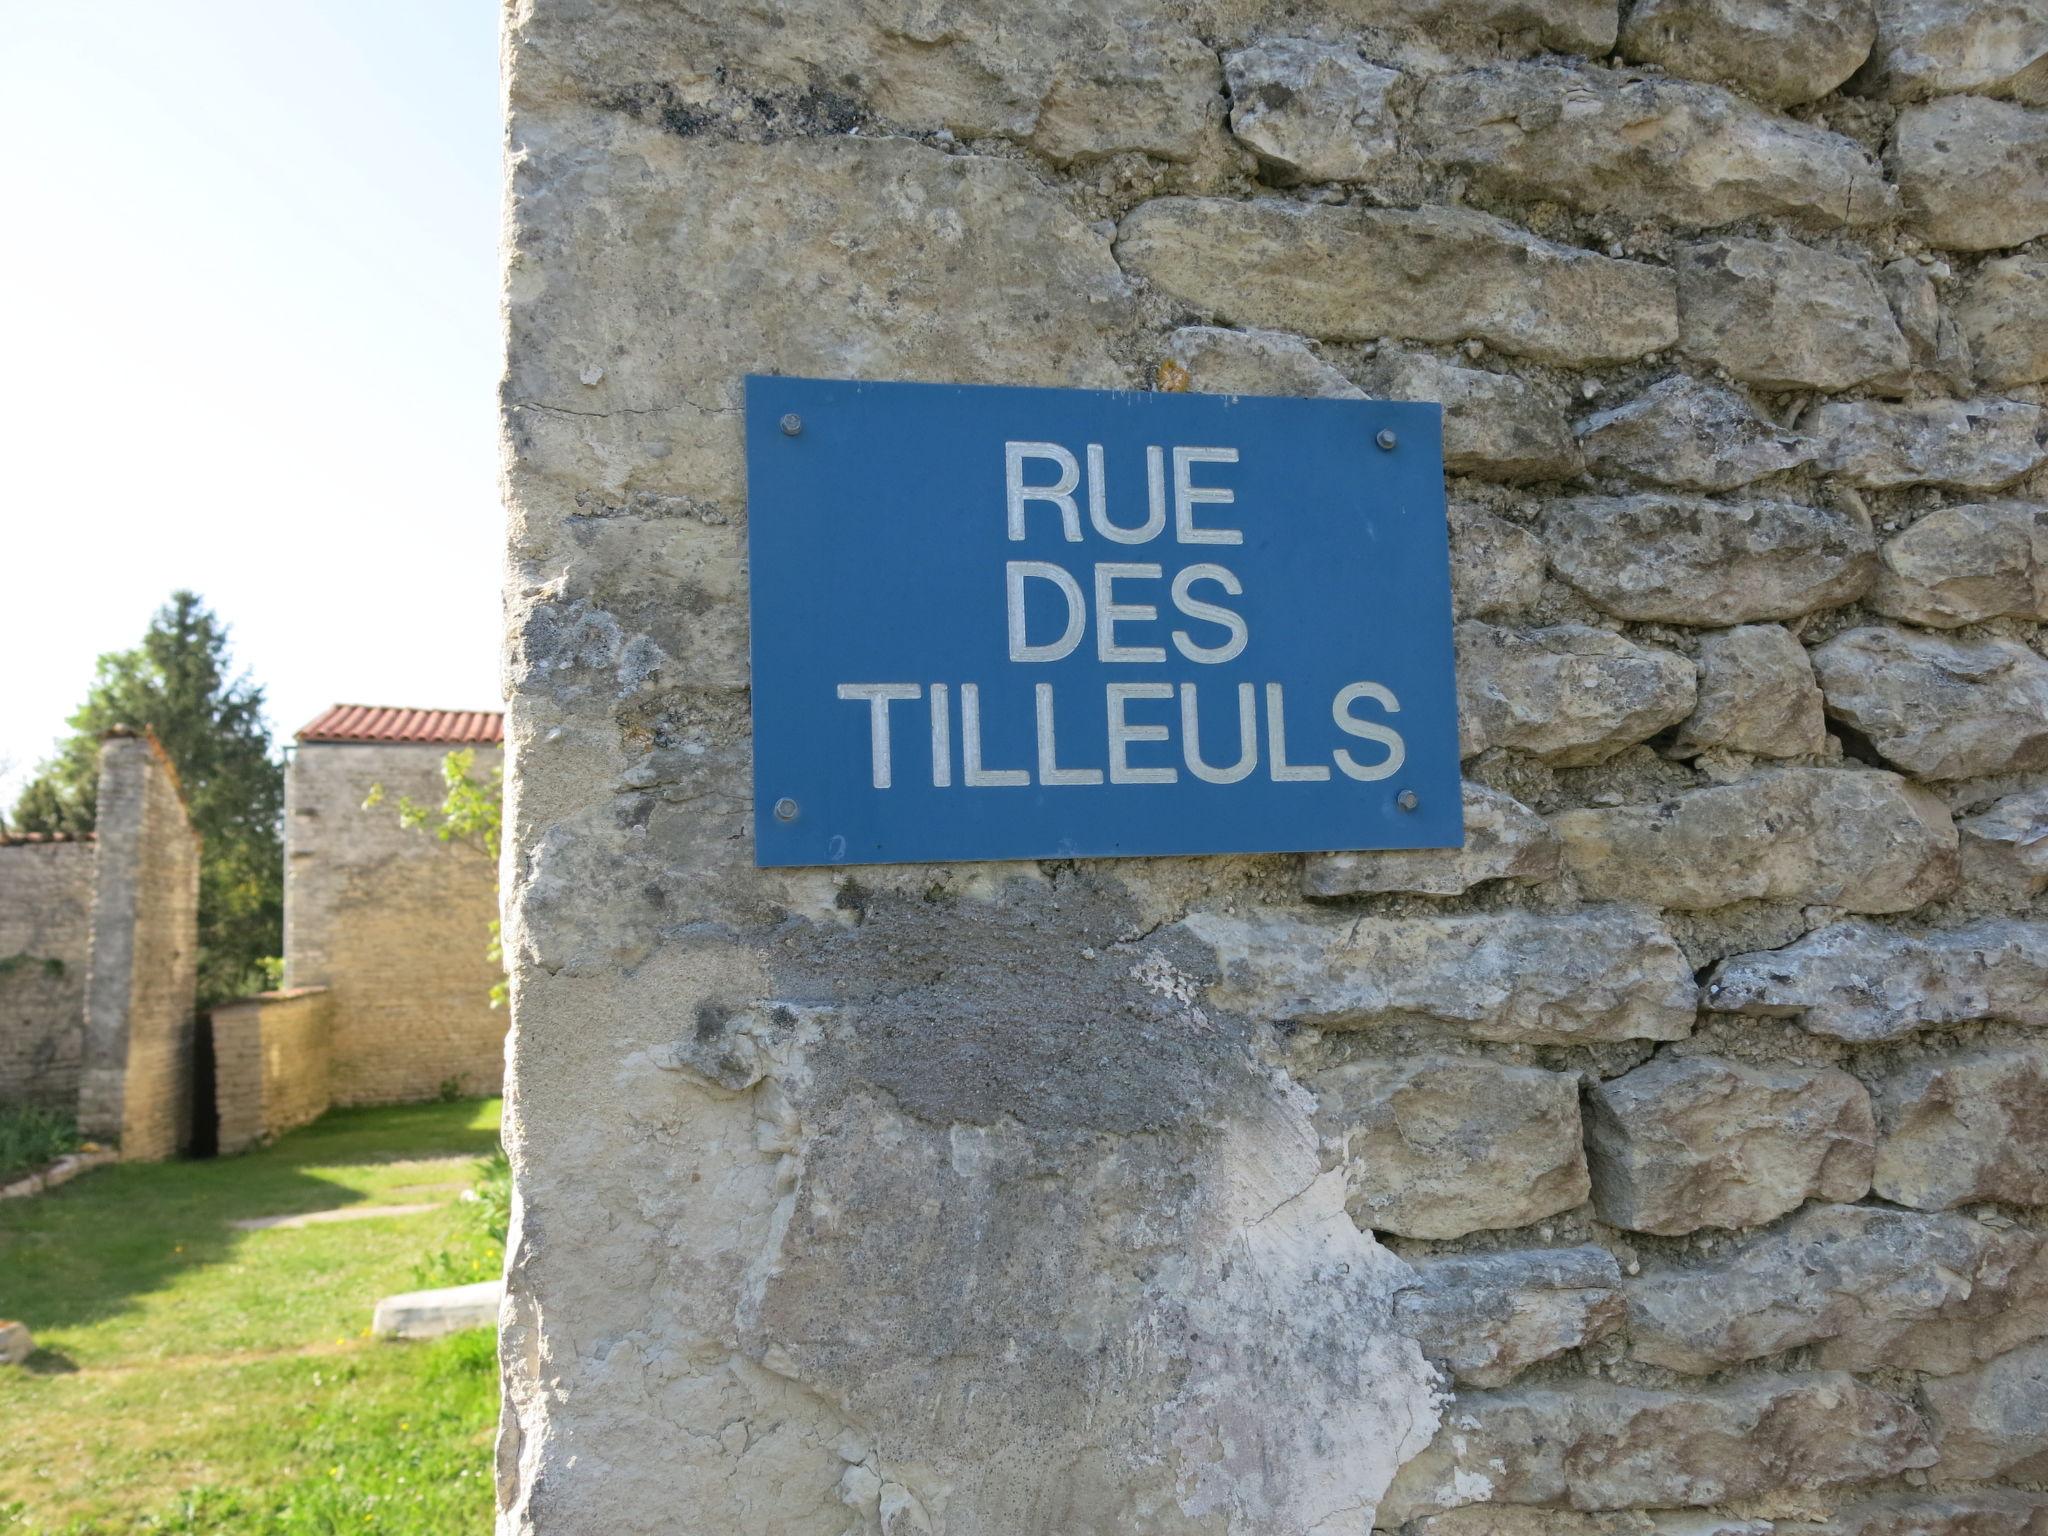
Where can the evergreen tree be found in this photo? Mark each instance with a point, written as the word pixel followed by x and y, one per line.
pixel 211 726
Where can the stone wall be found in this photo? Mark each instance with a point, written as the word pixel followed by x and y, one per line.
pixel 142 974
pixel 45 932
pixel 271 1055
pixel 393 922
pixel 1692 1120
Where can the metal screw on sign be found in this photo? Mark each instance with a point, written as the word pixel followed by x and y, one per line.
pixel 1386 439
pixel 1407 800
pixel 785 809
pixel 792 424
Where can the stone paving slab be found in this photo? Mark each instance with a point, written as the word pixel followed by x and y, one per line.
pixel 429 1314
pixel 322 1218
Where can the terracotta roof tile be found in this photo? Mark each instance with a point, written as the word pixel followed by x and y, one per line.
pixel 377 722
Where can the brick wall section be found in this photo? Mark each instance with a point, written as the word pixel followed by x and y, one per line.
pixel 142 975
pixel 1693 1119
pixel 45 927
pixel 271 1063
pixel 393 922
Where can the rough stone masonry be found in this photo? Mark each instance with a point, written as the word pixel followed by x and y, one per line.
pixel 1667 1161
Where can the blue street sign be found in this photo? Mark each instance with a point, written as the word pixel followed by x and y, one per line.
pixel 1000 623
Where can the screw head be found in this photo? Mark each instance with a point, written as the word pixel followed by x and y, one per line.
pixel 1407 800
pixel 792 424
pixel 785 809
pixel 1387 440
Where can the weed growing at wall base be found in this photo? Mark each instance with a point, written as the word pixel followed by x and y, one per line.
pixel 480 1252
pixel 32 1136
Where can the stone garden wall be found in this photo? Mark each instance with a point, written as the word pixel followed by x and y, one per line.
pixel 45 932
pixel 1667 1160
pixel 142 974
pixel 272 1056
pixel 395 923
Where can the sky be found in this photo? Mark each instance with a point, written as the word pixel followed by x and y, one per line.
pixel 248 311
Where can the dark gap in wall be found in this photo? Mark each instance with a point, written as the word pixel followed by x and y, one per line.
pixel 205 1100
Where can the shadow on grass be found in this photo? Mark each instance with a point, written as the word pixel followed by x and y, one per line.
pixel 81 1253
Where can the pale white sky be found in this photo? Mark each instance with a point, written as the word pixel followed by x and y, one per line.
pixel 248 277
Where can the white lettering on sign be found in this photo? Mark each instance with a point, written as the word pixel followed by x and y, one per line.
pixel 1195 608
pixel 1121 600
pixel 1016 573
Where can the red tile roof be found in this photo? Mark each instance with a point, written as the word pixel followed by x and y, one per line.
pixel 376 722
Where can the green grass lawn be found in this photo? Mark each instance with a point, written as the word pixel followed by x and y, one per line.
pixel 196 1378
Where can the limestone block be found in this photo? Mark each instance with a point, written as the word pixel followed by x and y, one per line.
pixel 985 1250
pixel 1695 1141
pixel 429 1314
pixel 1979 1512
pixel 1226 362
pixel 1555 25
pixel 1151 89
pixel 1962 565
pixel 1952 1129
pixel 854 220
pixel 1993 1421
pixel 1438 1146
pixel 1504 840
pixel 1939 352
pixel 1611 141
pixel 1496 426
pixel 1939 708
pixel 1560 26
pixel 1693 436
pixel 1862 841
pixel 1497 568
pixel 1874 1289
pixel 1757 695
pixel 16 1343
pixel 1691 560
pixel 1596 1446
pixel 1972 173
pixel 2005 848
pixel 2002 312
pixel 1092 79
pixel 1783 51
pixel 1530 1520
pixel 1857 981
pixel 1569 694
pixel 1317 111
pixel 1785 316
pixel 1429 274
pixel 1601 973
pixel 1489 1316
pixel 1940 47
pixel 1965 445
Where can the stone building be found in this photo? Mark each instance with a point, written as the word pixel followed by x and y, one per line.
pixel 99 952
pixel 393 923
pixel 1671 1157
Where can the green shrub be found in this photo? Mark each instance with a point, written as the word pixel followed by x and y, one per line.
pixel 487 1213
pixel 31 1136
